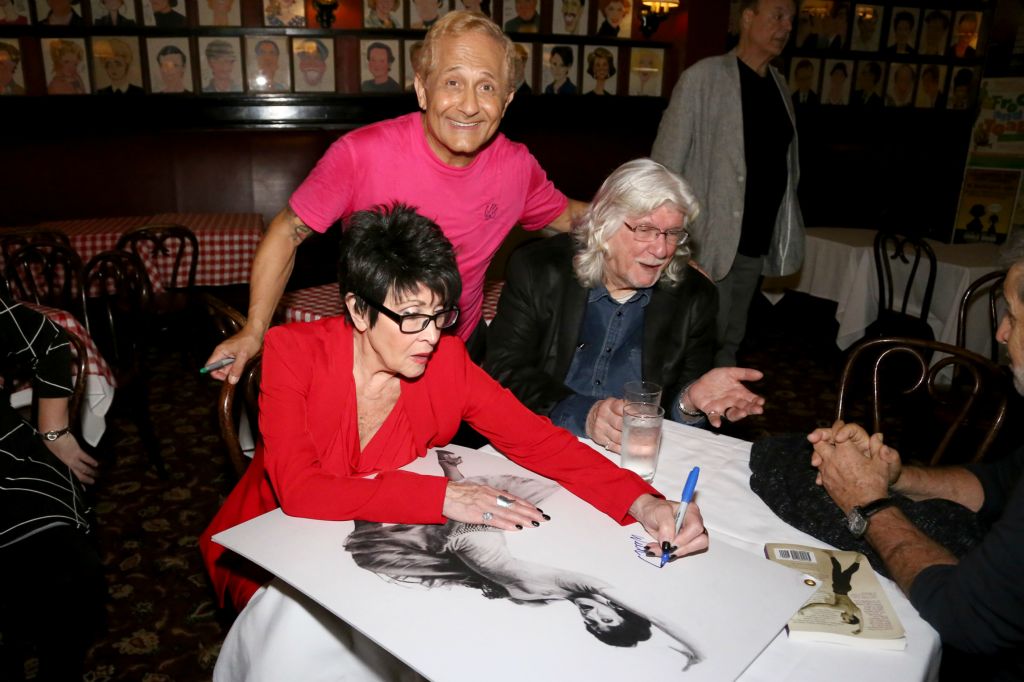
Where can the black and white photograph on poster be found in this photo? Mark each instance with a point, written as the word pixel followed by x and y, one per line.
pixel 382 13
pixel 931 87
pixel 113 13
pixel 59 13
pixel 560 70
pixel 836 81
pixel 165 13
pixel 219 13
pixel 903 31
pixel 67 72
pixel 900 91
pixel 522 16
pixel 599 69
pixel 12 79
pixel 220 67
pixel 481 6
pixel 962 86
pixel 267 63
pixel 578 593
pixel 170 72
pixel 803 82
pixel 313 64
pixel 867 86
pixel 14 13
pixel 934 32
pixel 867 28
pixel 571 18
pixel 522 70
pixel 412 51
pixel 614 18
pixel 284 13
pixel 425 13
pixel 964 43
pixel 379 67
pixel 645 72
pixel 116 65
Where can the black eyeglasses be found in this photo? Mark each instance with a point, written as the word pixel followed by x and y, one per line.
pixel 414 323
pixel 649 233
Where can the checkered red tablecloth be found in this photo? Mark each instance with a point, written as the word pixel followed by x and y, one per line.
pixel 95 364
pixel 307 305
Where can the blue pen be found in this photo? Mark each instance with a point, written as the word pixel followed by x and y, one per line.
pixel 684 502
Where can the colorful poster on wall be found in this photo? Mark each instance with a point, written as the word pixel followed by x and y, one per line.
pixel 987 206
pixel 997 139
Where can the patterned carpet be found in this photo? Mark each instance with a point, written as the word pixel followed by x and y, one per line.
pixel 163 624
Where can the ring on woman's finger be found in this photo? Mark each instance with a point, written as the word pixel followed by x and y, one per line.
pixel 505 502
pixel 712 412
pixel 488 516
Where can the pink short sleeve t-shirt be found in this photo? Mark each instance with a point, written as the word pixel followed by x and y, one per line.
pixel 476 206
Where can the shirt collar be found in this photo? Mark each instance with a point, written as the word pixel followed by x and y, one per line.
pixel 643 296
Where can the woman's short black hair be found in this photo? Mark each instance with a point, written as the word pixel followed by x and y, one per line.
pixel 394 249
pixel 632 630
pixel 563 51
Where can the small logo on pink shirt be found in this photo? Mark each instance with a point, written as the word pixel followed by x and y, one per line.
pixel 491 211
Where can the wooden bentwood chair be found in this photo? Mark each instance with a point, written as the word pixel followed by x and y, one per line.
pixel 248 387
pixel 990 285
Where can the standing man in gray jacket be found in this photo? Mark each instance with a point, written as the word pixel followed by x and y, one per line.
pixel 730 130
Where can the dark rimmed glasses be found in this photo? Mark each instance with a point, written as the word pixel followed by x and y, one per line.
pixel 414 323
pixel 649 233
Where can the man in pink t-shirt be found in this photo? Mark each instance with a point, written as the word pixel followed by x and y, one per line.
pixel 447 161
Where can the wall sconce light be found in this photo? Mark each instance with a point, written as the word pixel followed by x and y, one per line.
pixel 325 12
pixel 653 12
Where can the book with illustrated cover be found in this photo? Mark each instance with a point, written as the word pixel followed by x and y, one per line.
pixel 849 607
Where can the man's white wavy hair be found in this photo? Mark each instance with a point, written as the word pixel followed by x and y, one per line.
pixel 635 189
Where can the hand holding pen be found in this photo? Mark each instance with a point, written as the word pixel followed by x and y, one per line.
pixel 684 504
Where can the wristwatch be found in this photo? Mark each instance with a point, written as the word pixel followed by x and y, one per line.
pixel 857 519
pixel 54 435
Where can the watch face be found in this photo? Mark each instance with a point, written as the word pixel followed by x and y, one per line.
pixel 856 522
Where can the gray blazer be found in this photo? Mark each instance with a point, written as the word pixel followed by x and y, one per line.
pixel 701 138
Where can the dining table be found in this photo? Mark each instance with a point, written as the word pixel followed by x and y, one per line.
pixel 298 551
pixel 839 265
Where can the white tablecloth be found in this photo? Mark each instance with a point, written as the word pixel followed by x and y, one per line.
pixel 839 266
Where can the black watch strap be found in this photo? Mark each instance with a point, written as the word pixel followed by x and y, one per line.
pixel 876 506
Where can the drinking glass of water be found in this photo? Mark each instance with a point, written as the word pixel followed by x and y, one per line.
pixel 641 392
pixel 641 438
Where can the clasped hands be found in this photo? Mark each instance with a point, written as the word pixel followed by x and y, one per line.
pixel 853 467
pixel 719 394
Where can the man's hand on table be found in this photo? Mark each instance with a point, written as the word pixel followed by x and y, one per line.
pixel 720 393
pixel 854 468
pixel 604 424
pixel 242 346
pixel 658 517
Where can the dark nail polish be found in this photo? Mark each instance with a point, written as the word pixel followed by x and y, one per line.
pixel 519 527
pixel 673 548
pixel 546 517
pixel 540 510
pixel 671 559
pixel 666 546
pixel 535 523
pixel 650 554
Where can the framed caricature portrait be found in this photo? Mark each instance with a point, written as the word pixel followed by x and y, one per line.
pixel 67 71
pixel 600 64
pixel 313 64
pixel 12 79
pixel 382 14
pixel 962 86
pixel 903 30
pixel 646 71
pixel 560 69
pixel 268 64
pixel 836 80
pixel 935 25
pixel 165 13
pixel 522 74
pixel 810 22
pixel 170 66
pixel 521 16
pixel 14 13
pixel 284 13
pixel 59 12
pixel 116 66
pixel 425 13
pixel 614 18
pixel 412 50
pixel 482 6
pixel 220 65
pixel 867 27
pixel 931 87
pixel 219 13
pixel 964 43
pixel 379 66
pixel 803 82
pixel 867 86
pixel 902 81
pixel 570 17
pixel 113 13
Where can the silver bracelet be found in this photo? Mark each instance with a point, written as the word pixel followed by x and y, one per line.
pixel 682 406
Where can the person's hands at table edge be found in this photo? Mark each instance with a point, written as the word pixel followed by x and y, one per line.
pixel 720 393
pixel 481 504
pixel 658 517
pixel 242 346
pixel 604 424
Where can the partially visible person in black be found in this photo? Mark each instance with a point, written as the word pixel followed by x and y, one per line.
pixel 51 604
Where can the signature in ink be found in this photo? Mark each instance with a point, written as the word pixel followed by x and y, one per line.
pixel 640 549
